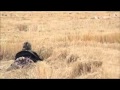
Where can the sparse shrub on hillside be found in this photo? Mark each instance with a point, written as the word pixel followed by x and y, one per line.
pixel 72 58
pixel 80 68
pixel 97 37
pixel 6 55
pixel 45 52
pixel 1 56
pixel 63 54
pixel 22 27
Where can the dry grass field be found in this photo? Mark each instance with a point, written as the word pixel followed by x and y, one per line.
pixel 74 45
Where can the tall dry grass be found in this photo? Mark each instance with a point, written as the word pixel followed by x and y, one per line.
pixel 72 46
pixel 47 46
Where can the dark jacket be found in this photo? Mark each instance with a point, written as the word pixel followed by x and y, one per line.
pixel 28 53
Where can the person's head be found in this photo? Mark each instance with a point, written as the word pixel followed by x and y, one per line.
pixel 26 46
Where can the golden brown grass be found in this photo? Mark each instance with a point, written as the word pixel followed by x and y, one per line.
pixel 73 44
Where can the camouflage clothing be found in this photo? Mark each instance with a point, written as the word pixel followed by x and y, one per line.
pixel 21 62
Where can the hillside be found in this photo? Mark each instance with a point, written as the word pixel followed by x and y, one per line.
pixel 74 44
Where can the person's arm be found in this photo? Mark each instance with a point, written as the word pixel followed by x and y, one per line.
pixel 39 58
